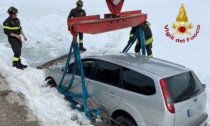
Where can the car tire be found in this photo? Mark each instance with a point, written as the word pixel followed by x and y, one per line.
pixel 51 82
pixel 125 121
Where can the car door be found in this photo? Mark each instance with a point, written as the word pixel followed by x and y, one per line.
pixel 88 68
pixel 104 87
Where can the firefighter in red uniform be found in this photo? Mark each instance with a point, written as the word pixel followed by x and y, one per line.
pixel 78 12
pixel 13 30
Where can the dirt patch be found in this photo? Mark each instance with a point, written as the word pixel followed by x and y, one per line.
pixel 13 111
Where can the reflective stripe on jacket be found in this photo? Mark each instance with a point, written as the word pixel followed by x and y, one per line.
pixel 11 25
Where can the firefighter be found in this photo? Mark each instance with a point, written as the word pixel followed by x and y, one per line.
pixel 145 26
pixel 13 30
pixel 78 12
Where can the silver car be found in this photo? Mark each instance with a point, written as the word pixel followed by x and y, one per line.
pixel 140 91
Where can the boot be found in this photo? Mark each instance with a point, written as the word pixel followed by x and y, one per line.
pixel 23 66
pixel 17 65
pixel 81 47
pixel 138 53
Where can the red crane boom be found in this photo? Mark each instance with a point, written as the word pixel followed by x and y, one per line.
pixel 112 21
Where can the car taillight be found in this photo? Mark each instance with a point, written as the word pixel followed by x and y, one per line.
pixel 167 96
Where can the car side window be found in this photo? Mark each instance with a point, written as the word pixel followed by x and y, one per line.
pixel 139 83
pixel 88 68
pixel 108 73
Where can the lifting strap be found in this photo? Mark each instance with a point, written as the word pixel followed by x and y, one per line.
pixel 139 33
pixel 142 38
pixel 91 114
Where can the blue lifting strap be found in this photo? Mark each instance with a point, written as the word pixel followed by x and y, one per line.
pixel 139 33
pixel 91 114
pixel 142 38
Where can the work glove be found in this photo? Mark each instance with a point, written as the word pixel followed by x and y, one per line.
pixel 131 36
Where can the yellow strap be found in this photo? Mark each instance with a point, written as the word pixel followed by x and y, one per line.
pixel 80 41
pixel 11 28
pixel 15 59
pixel 131 35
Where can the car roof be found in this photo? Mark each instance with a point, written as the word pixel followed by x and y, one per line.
pixel 138 62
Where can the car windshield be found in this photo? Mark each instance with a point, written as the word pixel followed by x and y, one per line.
pixel 183 86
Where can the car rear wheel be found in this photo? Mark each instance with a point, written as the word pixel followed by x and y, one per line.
pixel 124 121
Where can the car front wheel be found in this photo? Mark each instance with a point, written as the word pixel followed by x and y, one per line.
pixel 51 82
pixel 124 121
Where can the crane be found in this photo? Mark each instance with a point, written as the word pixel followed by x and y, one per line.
pixel 93 24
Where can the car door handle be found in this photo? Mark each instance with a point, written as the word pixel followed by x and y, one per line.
pixel 111 94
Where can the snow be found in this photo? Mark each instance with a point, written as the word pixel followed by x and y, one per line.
pixel 44 23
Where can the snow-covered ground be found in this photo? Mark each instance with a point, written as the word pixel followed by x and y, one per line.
pixel 44 23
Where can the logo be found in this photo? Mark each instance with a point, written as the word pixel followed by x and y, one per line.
pixel 182 28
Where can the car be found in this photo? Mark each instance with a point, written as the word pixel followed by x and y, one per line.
pixel 137 90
